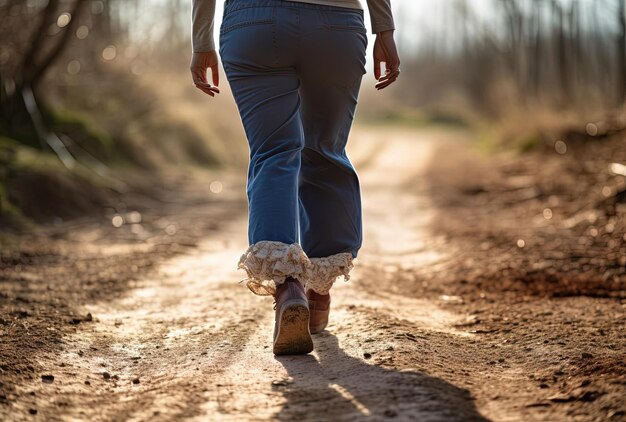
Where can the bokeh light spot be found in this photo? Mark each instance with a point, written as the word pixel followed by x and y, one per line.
pixel 560 147
pixel 610 227
pixel 592 129
pixel 521 243
pixel 63 20
pixel 109 52
pixel 82 32
pixel 170 229
pixel 73 67
pixel 547 214
pixel 134 217
pixel 117 221
pixel 138 68
pixel 97 7
pixel 216 186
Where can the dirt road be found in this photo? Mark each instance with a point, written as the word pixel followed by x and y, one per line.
pixel 179 339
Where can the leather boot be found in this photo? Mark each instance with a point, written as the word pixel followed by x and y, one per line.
pixel 291 327
pixel 319 308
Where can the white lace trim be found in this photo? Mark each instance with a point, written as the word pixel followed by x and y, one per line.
pixel 324 271
pixel 269 263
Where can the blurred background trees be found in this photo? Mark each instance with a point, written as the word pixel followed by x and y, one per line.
pixel 567 54
pixel 74 76
pixel 103 83
pixel 487 55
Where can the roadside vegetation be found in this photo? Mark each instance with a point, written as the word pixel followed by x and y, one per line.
pixel 84 102
pixel 102 88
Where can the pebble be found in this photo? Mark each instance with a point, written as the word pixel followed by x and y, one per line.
pixel 136 381
pixel 106 375
pixel 48 379
pixel 390 413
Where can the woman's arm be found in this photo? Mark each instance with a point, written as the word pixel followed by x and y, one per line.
pixel 385 47
pixel 380 15
pixel 202 19
pixel 203 44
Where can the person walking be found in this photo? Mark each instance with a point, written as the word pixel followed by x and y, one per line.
pixel 295 70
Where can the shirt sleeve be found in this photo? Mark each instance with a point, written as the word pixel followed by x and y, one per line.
pixel 380 13
pixel 202 22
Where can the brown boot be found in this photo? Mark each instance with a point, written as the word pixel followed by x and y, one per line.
pixel 319 307
pixel 291 329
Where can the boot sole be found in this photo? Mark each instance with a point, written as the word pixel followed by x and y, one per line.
pixel 293 336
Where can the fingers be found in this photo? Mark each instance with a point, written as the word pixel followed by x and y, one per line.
pixel 207 91
pixel 385 51
pixel 393 62
pixel 200 64
pixel 207 88
pixel 199 80
pixel 376 68
pixel 390 77
pixel 215 72
pixel 198 75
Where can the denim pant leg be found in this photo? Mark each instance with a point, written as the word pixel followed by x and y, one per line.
pixel 269 104
pixel 268 101
pixel 330 200
pixel 268 48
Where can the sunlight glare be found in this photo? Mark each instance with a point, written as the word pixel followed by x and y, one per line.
pixel 349 397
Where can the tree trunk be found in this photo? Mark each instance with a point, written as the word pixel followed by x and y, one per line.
pixel 34 74
pixel 621 53
pixel 37 60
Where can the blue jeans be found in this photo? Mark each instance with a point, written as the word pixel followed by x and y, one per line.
pixel 295 70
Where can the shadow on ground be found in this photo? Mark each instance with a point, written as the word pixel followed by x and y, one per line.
pixel 341 387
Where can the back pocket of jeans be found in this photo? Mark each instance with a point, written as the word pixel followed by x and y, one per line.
pixel 247 16
pixel 349 20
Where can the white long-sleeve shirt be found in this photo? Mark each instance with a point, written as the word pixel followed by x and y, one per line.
pixel 203 15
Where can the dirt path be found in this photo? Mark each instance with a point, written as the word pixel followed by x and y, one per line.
pixel 187 342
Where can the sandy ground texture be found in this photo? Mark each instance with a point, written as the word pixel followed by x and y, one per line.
pixel 464 304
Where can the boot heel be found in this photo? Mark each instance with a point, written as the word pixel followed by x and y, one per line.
pixel 293 336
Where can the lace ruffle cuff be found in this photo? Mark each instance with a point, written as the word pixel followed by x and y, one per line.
pixel 269 263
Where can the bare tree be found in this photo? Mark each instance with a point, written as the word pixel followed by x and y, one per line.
pixel 621 52
pixel 40 52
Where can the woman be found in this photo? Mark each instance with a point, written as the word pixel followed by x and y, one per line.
pixel 295 69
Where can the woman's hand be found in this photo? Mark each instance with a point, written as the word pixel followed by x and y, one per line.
pixel 200 63
pixel 385 51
